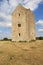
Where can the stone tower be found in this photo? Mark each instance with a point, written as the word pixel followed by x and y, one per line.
pixel 23 24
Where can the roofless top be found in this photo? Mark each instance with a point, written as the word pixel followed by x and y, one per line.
pixel 21 6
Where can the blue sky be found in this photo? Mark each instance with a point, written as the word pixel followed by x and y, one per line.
pixel 8 6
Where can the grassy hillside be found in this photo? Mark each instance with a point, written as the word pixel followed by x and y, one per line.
pixel 21 53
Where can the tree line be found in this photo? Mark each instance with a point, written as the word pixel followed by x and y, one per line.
pixel 6 39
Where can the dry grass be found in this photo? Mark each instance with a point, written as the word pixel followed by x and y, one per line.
pixel 21 53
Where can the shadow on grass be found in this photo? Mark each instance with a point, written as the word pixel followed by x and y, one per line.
pixel 32 41
pixel 1 52
pixel 33 47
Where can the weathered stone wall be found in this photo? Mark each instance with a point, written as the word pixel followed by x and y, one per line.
pixel 31 22
pixel 24 18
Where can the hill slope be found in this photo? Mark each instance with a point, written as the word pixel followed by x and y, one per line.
pixel 21 53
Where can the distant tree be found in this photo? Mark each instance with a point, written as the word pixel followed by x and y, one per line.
pixel 40 38
pixel 5 39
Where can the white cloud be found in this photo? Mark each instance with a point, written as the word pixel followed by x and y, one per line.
pixel 40 30
pixel 13 2
pixel 8 8
pixel 32 4
pixel 40 22
pixel 5 24
pixel 4 7
pixel 7 20
pixel 8 17
pixel 0 31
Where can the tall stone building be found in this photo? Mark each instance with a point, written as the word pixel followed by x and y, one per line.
pixel 23 24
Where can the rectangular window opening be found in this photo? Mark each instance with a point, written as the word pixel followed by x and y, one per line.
pixel 19 34
pixel 19 25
